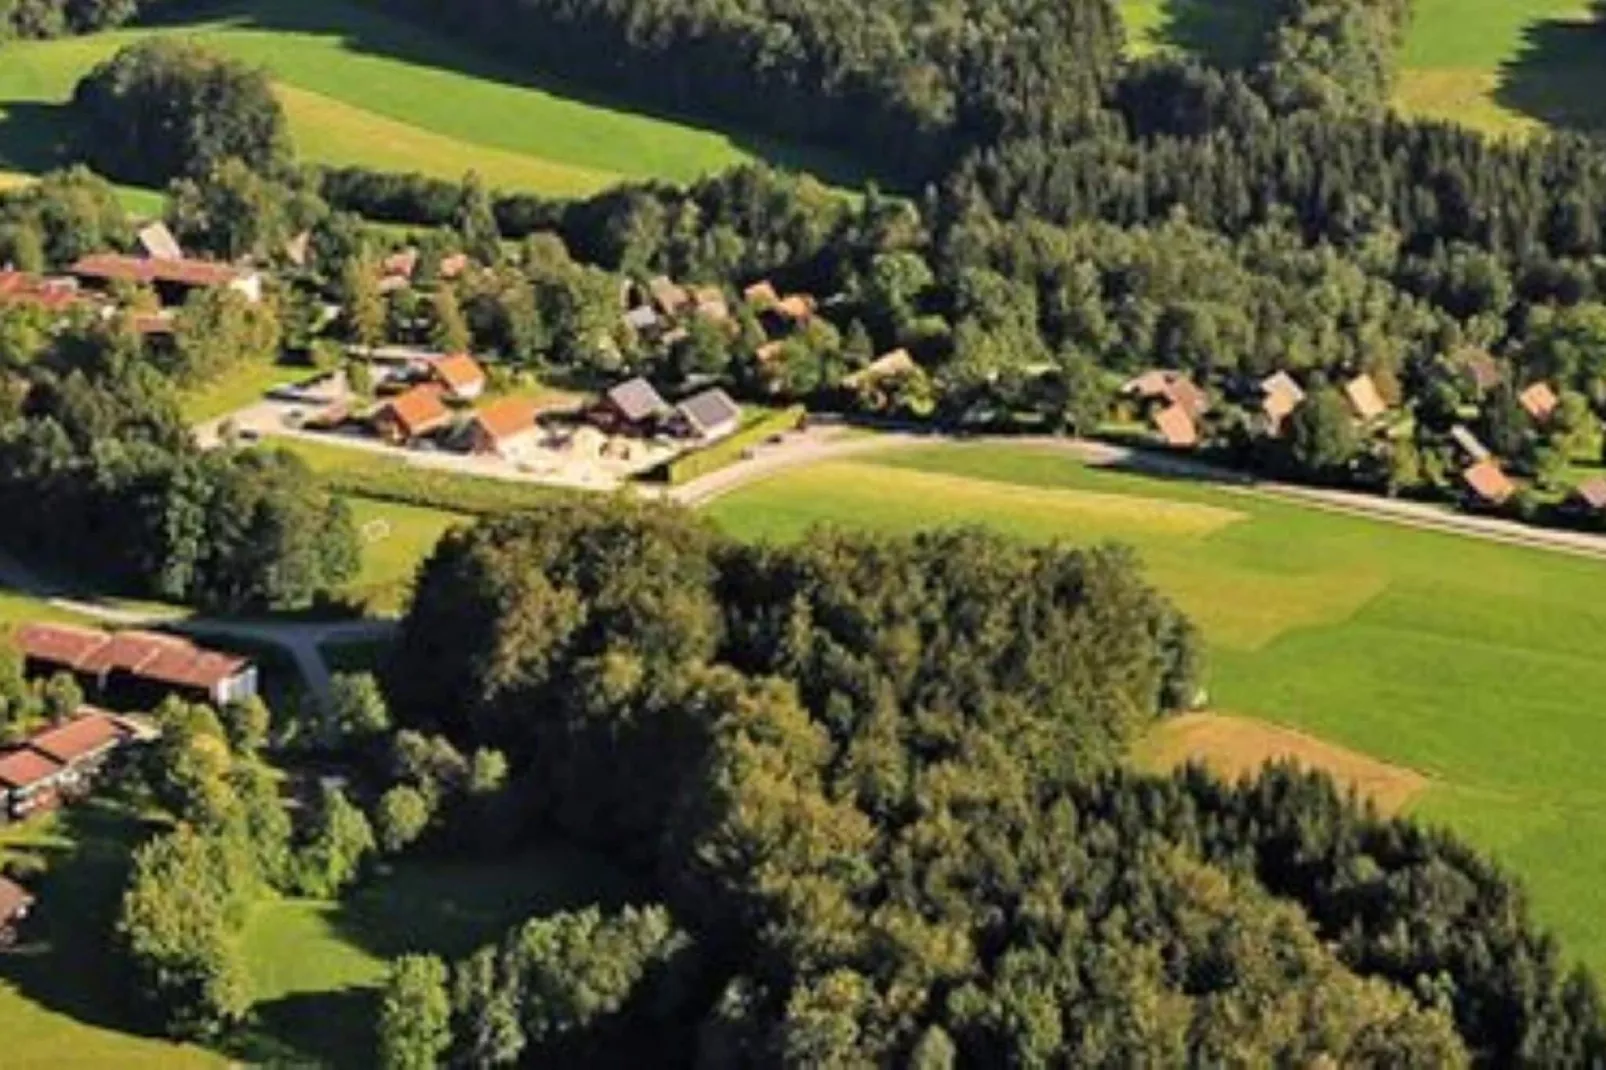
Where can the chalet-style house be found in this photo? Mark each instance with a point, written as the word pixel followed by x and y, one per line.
pixel 59 763
pixel 1487 483
pixel 412 415
pixel 15 903
pixel 173 280
pixel 887 366
pixel 1176 427
pixel 136 668
pixel 500 427
pixel 1280 395
pixel 460 375
pixel 630 407
pixel 1538 401
pixel 1166 388
pixel 707 416
pixel 1365 400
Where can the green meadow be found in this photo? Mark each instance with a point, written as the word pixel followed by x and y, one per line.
pixel 1502 66
pixel 363 88
pixel 1468 662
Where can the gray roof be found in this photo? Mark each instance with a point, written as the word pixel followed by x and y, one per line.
pixel 708 410
pixel 1469 442
pixel 636 399
pixel 642 318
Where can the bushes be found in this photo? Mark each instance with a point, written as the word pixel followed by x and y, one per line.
pixel 450 491
pixel 728 451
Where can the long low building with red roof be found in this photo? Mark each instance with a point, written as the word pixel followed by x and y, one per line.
pixel 174 279
pixel 59 762
pixel 140 664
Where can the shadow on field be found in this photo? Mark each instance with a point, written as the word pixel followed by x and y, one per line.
pixel 362 30
pixel 1223 33
pixel 33 136
pixel 1559 77
pixel 63 961
pixel 323 1029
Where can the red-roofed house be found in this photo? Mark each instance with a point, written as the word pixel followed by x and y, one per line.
pixel 460 374
pixel 173 279
pixel 146 665
pixel 29 783
pixel 412 415
pixel 37 291
pixel 1176 426
pixel 500 426
pixel 1488 483
pixel 1538 401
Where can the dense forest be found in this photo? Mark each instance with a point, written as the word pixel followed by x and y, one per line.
pixel 878 785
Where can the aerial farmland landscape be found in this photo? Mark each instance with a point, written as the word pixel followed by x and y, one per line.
pixel 738 533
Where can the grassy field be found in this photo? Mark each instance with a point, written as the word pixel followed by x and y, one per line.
pixel 1503 66
pixel 236 388
pixel 1461 661
pixel 395 538
pixel 362 88
pixel 316 964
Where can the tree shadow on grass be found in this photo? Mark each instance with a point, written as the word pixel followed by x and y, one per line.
pixel 64 960
pixel 1222 33
pixel 1559 77
pixel 332 1029
pixel 365 31
pixel 34 137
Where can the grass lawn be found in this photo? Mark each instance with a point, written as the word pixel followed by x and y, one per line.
pixel 395 539
pixel 61 1003
pixel 316 964
pixel 1466 662
pixel 238 387
pixel 364 88
pixel 1223 32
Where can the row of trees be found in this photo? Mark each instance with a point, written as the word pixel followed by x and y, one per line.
pixel 877 780
pixel 39 19
pixel 1332 55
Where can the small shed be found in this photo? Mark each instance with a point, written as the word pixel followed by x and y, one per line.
pixel 1538 400
pixel 1280 396
pixel 1488 483
pixel 1364 398
pixel 1468 443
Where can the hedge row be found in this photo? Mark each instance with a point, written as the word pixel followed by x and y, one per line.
pixel 690 466
pixel 432 489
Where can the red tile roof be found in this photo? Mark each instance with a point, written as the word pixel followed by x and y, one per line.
pixel 507 418
pixel 1539 400
pixel 1176 426
pixel 165 659
pixel 79 738
pixel 119 268
pixel 418 411
pixel 459 372
pixel 22 769
pixel 1489 482
pixel 21 288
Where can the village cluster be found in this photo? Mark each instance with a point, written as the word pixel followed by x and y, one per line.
pixel 1175 408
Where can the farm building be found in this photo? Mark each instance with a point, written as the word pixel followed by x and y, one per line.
pixel 138 667
pixel 59 763
pixel 631 407
pixel 1364 398
pixel 1175 426
pixel 1280 395
pixel 460 375
pixel 1538 401
pixel 15 903
pixel 708 416
pixel 173 280
pixel 1488 483
pixel 500 427
pixel 410 416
